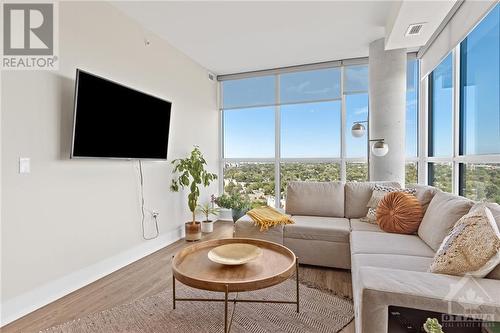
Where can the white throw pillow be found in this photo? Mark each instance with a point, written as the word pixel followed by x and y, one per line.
pixel 472 248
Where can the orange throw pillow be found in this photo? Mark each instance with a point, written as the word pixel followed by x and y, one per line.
pixel 400 213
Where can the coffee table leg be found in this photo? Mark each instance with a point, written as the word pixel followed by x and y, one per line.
pixel 226 329
pixel 297 280
pixel 173 290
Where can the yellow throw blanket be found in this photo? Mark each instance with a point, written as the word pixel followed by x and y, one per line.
pixel 267 217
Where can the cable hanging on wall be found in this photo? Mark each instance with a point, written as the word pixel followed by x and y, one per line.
pixel 143 209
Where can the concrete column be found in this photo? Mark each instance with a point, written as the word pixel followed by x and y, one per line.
pixel 387 92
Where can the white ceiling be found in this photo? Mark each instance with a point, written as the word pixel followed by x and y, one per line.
pixel 233 37
pixel 431 14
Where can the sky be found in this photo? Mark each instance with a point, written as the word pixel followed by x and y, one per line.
pixel 308 129
pixel 480 56
pixel 311 128
pixel 480 93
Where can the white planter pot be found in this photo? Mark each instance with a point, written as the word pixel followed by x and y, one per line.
pixel 225 215
pixel 207 227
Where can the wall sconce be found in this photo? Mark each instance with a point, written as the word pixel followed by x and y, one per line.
pixel 379 148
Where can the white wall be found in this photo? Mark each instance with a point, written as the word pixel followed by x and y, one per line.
pixel 70 221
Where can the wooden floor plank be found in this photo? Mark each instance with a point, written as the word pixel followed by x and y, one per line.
pixel 146 277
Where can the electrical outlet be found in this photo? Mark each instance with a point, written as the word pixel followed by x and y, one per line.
pixel 24 165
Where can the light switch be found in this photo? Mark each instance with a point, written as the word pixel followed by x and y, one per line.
pixel 24 165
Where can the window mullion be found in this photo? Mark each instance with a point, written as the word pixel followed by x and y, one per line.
pixel 423 129
pixel 343 125
pixel 277 148
pixel 456 118
pixel 221 137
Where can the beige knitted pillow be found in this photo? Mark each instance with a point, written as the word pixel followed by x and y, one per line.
pixel 471 248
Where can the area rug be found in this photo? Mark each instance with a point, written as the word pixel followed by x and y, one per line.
pixel 320 311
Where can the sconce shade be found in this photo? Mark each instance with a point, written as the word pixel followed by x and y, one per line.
pixel 380 148
pixel 358 130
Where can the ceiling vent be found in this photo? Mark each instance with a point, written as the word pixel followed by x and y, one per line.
pixel 414 29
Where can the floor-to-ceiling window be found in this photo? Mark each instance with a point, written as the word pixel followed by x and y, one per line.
pixel 464 115
pixel 356 109
pixel 249 135
pixel 412 84
pixel 296 125
pixel 440 125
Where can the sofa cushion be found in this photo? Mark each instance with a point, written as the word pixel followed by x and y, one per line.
pixel 424 194
pixel 386 243
pixel 315 199
pixel 395 261
pixel 319 253
pixel 444 210
pixel 358 225
pixel 357 196
pixel 245 228
pixel 332 229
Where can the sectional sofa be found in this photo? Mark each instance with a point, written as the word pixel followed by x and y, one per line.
pixel 387 269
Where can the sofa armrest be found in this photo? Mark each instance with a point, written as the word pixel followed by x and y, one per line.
pixel 246 228
pixel 378 288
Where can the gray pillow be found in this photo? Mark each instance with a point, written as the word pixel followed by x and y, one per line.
pixel 444 210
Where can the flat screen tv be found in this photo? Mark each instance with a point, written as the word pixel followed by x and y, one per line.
pixel 114 121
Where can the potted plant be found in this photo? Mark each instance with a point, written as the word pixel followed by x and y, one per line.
pixel 207 209
pixel 223 201
pixel 190 172
pixel 238 204
pixel 432 326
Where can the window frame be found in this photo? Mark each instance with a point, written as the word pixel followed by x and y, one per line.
pixel 342 160
pixel 458 158
pixel 415 159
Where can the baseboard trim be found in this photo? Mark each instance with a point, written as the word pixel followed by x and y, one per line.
pixel 30 301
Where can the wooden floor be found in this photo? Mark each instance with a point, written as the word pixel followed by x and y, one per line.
pixel 147 277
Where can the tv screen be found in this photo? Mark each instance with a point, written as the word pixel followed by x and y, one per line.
pixel 114 121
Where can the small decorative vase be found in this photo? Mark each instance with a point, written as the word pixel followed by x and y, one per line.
pixel 193 231
pixel 207 226
pixel 238 213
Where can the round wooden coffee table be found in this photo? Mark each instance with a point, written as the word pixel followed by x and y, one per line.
pixel 192 267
